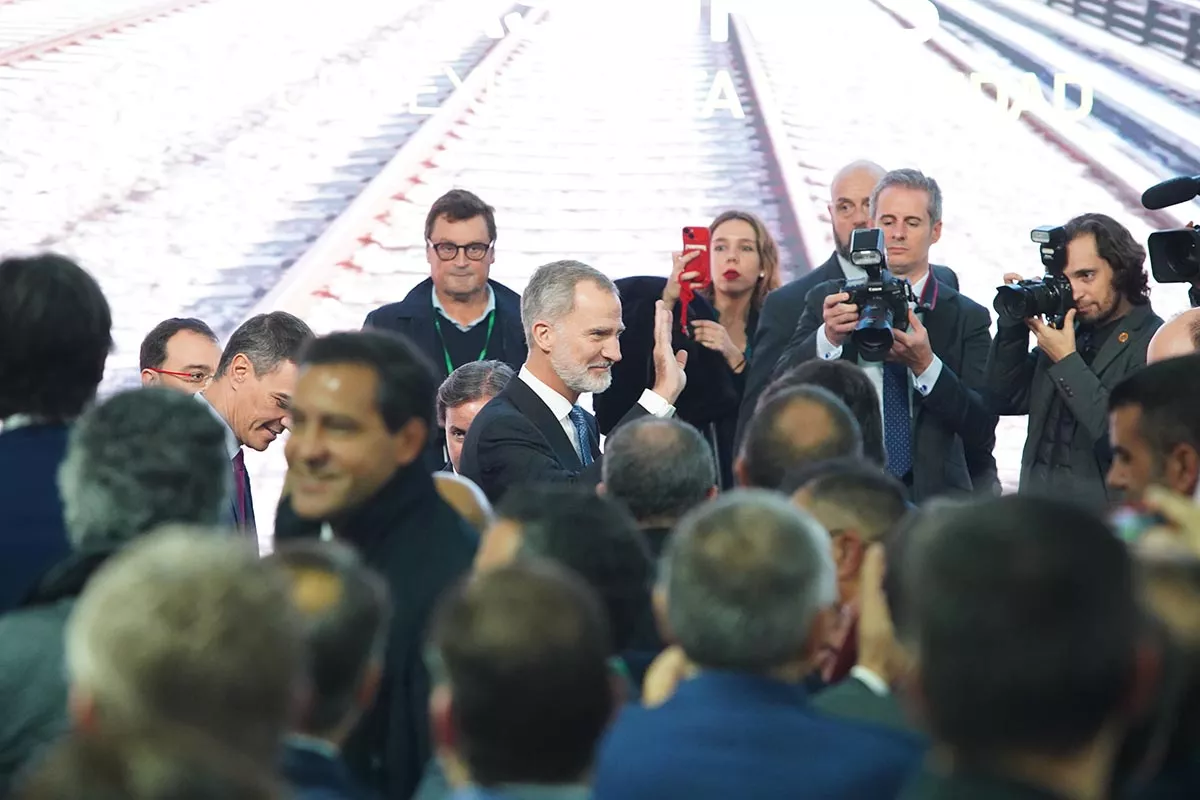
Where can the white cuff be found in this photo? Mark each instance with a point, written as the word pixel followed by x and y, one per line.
pixel 925 382
pixel 825 349
pixel 869 679
pixel 655 404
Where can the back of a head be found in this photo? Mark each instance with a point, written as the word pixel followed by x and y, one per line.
pixel 55 337
pixel 192 629
pixel 158 764
pixel 593 536
pixel 746 577
pixel 659 468
pixel 266 340
pixel 406 383
pixel 550 294
pixel 466 498
pixel 862 496
pixel 1166 393
pixel 847 382
pixel 1179 336
pixel 1026 625
pixel 524 649
pixel 143 458
pixel 798 426
pixel 345 608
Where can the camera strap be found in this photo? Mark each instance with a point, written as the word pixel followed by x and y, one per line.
pixel 929 293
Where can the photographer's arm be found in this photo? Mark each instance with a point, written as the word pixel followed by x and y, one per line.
pixel 1008 376
pixel 957 398
pixel 1084 393
pixel 803 345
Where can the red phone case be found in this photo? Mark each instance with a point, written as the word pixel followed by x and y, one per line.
pixel 693 236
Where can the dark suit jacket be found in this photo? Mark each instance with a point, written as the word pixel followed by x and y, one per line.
pixel 413 317
pixel 853 699
pixel 317 776
pixel 33 536
pixel 420 546
pixel 515 439
pixel 954 430
pixel 729 735
pixel 1020 381
pixel 777 322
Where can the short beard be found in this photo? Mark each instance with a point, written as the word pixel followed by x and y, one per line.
pixel 577 377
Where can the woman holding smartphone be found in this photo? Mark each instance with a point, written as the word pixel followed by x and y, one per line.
pixel 745 267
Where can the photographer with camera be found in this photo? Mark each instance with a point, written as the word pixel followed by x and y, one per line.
pixel 1092 319
pixel 922 344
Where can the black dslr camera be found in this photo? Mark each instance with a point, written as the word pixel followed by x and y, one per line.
pixel 1049 296
pixel 882 298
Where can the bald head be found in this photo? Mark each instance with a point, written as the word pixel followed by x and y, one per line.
pixel 795 428
pixel 1179 337
pixel 850 200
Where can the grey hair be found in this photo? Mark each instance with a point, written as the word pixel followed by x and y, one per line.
pixel 550 294
pixel 472 381
pixel 189 626
pixel 746 576
pixel 659 468
pixel 266 340
pixel 910 179
pixel 142 458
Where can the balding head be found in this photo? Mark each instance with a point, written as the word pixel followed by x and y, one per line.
pixel 796 427
pixel 1178 337
pixel 659 468
pixel 850 200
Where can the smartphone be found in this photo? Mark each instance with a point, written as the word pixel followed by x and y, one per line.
pixel 696 238
pixel 1132 522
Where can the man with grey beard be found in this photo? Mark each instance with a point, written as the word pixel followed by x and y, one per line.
pixel 534 431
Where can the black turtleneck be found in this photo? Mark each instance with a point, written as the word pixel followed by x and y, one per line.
pixel 420 546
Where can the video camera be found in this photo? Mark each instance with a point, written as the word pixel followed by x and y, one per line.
pixel 1174 254
pixel 882 298
pixel 1049 296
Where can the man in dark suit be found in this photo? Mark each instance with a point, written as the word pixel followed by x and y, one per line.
pixel 1063 383
pixel 55 336
pixel 534 431
pixel 938 432
pixel 345 608
pixel 849 209
pixel 742 725
pixel 361 415
pixel 458 314
pixel 251 395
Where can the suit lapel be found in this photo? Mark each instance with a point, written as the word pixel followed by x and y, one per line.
pixel 537 412
pixel 1119 339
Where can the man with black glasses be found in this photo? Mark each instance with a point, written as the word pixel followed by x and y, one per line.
pixel 458 314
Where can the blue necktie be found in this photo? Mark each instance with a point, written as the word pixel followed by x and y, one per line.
pixel 579 420
pixel 897 419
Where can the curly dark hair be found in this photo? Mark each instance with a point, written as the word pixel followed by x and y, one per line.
pixel 1116 245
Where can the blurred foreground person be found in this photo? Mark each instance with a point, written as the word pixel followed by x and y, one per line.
pixel 749 584
pixel 55 336
pixel 345 609
pixel 156 764
pixel 523 690
pixel 140 459
pixel 1031 697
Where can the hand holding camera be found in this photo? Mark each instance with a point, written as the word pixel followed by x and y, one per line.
pixel 840 317
pixel 1050 297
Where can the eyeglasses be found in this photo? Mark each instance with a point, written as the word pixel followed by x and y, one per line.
pixel 190 377
pixel 448 251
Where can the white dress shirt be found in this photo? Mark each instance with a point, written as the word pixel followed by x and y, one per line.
pixel 869 679
pixel 561 407
pixel 922 383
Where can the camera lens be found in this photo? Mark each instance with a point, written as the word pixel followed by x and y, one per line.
pixel 1015 302
pixel 873 336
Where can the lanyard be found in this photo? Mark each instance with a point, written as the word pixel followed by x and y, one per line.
pixel 446 353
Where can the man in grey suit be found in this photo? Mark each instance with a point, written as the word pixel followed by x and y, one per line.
pixel 938 432
pixel 849 210
pixel 1063 383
